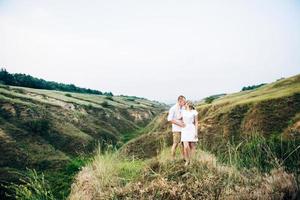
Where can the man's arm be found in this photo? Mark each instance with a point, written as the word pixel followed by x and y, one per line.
pixel 171 118
pixel 177 122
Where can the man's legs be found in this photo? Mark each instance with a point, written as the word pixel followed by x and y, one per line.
pixel 176 141
pixel 173 150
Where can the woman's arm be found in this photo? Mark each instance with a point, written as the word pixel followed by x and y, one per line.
pixel 196 125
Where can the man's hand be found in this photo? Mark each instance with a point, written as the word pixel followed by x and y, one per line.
pixel 178 123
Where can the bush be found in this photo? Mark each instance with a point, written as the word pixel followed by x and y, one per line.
pixel 75 165
pixel 105 104
pixel 210 99
pixel 130 99
pixel 107 171
pixel 90 106
pixel 108 94
pixel 252 87
pixel 32 187
pixel 68 95
pixel 259 152
pixel 19 90
pixel 109 98
pixel 38 126
pixel 2 85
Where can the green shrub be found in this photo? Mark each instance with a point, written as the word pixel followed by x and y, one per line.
pixel 62 179
pixel 68 95
pixel 130 99
pixel 39 126
pixel 2 85
pixel 252 87
pixel 105 104
pixel 32 187
pixel 211 98
pixel 75 165
pixel 19 90
pixel 90 106
pixel 109 98
pixel 259 152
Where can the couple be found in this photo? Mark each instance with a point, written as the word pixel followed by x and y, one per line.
pixel 184 119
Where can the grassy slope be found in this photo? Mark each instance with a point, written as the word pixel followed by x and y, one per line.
pixel 281 88
pixel 111 176
pixel 45 129
pixel 271 110
pixel 253 167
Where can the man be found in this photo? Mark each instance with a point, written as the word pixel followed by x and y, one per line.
pixel 174 117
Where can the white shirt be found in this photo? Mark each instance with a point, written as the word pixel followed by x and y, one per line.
pixel 175 113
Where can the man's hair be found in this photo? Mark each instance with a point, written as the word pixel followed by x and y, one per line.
pixel 180 97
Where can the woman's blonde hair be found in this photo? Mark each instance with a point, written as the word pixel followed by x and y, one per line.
pixel 190 105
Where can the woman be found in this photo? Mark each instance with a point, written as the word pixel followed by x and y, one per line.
pixel 189 133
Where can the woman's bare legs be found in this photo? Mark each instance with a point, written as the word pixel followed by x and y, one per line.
pixel 186 147
pixel 192 148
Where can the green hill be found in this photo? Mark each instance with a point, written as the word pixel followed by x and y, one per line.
pixel 249 148
pixel 49 130
pixel 272 110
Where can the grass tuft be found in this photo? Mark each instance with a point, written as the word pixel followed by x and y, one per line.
pixel 32 187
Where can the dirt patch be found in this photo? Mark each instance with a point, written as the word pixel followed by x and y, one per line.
pixel 9 109
pixel 63 104
pixel 293 131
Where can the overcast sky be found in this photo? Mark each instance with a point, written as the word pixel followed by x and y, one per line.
pixel 154 49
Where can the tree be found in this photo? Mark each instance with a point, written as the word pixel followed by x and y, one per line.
pixel 25 80
pixel 252 87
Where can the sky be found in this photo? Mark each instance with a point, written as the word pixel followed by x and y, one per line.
pixel 156 49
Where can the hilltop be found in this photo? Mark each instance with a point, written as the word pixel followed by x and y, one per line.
pixel 50 130
pixel 248 149
pixel 272 110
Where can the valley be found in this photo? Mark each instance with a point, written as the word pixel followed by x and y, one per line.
pixel 49 130
pixel 118 147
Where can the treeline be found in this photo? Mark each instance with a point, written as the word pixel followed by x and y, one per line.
pixel 252 87
pixel 25 80
pixel 211 98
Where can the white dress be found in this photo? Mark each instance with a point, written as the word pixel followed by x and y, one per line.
pixel 188 133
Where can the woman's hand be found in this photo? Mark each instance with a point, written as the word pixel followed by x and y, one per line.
pixel 182 124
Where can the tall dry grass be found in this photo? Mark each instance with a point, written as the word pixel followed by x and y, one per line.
pixel 206 178
pixel 32 186
pixel 107 171
pixel 113 177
